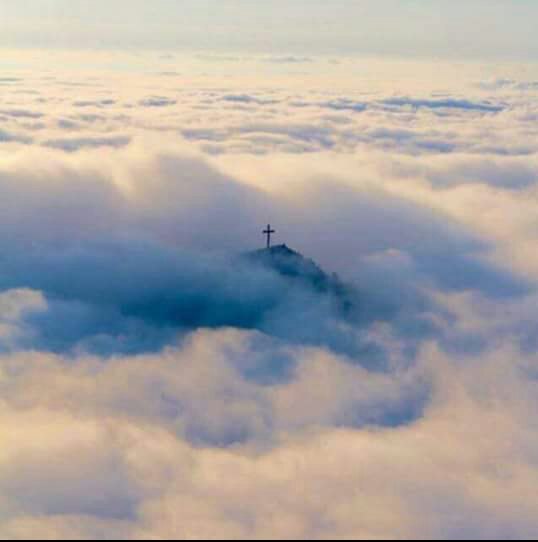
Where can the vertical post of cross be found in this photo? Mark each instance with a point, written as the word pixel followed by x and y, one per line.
pixel 269 231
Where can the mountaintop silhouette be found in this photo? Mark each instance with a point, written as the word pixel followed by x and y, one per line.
pixel 292 265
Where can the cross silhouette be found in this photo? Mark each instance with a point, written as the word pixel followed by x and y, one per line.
pixel 268 232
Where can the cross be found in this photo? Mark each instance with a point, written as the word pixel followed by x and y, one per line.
pixel 268 232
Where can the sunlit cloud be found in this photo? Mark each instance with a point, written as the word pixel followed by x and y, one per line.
pixel 160 379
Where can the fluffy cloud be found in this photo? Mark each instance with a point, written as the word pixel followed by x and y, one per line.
pixel 156 383
pixel 119 457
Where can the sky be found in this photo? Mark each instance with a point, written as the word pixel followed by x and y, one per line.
pixel 420 28
pixel 155 383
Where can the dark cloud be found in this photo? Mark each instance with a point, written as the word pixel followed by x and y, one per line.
pixel 344 104
pixel 444 103
pixel 157 101
pixel 7 137
pixel 73 144
pixel 68 124
pixel 247 99
pixel 115 284
pixel 95 103
pixel 91 117
pixel 21 113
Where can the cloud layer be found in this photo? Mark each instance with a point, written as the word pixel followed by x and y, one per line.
pixel 155 383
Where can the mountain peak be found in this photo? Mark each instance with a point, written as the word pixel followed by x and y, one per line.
pixel 288 262
pixel 305 272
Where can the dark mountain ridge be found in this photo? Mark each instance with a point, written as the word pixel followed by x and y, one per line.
pixel 305 273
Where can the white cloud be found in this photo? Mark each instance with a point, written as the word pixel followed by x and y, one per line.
pixel 444 475
pixel 154 384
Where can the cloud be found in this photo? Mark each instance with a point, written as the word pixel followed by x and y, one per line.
pixel 247 99
pixel 157 101
pixel 9 80
pixel 511 173
pixel 14 306
pixel 289 59
pixel 344 104
pixel 503 83
pixel 166 200
pixel 94 103
pixel 21 113
pixel 128 447
pixel 73 144
pixel 156 383
pixel 7 137
pixel 449 103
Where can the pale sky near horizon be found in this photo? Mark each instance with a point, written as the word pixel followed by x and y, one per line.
pixel 486 29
